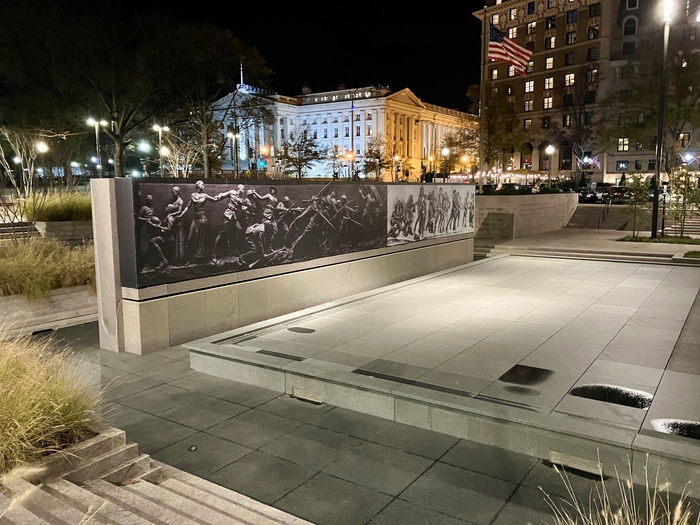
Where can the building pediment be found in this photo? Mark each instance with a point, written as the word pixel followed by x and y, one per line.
pixel 406 96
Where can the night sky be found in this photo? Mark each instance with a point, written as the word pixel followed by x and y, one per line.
pixel 431 48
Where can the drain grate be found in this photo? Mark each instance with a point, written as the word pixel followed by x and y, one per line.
pixel 280 354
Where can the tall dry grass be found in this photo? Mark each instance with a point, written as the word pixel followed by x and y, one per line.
pixel 653 505
pixel 47 402
pixel 33 269
pixel 73 206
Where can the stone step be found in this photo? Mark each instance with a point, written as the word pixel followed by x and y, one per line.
pixel 13 514
pixel 90 503
pixel 47 507
pixel 174 475
pixel 56 464
pixel 97 466
pixel 181 505
pixel 128 470
pixel 137 504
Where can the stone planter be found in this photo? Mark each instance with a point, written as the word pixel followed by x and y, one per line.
pixel 74 232
pixel 61 308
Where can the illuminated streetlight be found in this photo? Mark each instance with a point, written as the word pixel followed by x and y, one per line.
pixel 234 136
pixel 144 146
pixel 549 151
pixel 17 160
pixel 160 130
pixel 42 147
pixel 97 123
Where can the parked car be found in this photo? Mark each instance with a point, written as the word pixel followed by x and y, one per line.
pixel 616 195
pixel 587 195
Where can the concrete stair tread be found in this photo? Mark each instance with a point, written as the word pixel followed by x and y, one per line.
pixel 248 512
pixel 181 505
pixel 136 504
pixel 46 506
pixel 128 470
pixel 97 466
pixel 91 503
pixel 10 513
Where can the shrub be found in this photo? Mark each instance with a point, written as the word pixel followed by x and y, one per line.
pixel 61 207
pixel 33 269
pixel 667 239
pixel 47 403
pixel 692 255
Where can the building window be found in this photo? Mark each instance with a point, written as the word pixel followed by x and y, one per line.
pixel 494 74
pixel 357 116
pixel 357 131
pixel 588 117
pixel 628 48
pixel 566 121
pixel 529 86
pixel 570 38
pixel 630 27
pixel 624 95
pixel 549 42
pixel 325 133
pixel 550 22
pixel 494 19
pixel 530 45
pixel 683 139
pixel 549 83
pixel 592 54
pixel 510 89
pixel 527 124
pixel 593 32
pixel 592 76
pixel 546 122
pixel 690 34
pixel 512 33
pixel 527 105
pixel 631 4
pixel 569 59
pixel 593 10
pixel 568 99
pixel 638 165
pixel 547 103
pixel 315 134
pixel 347 131
pixel 621 165
pixel 512 14
pixel 494 92
pixel 530 67
pixel 569 79
pixel 626 72
pixel 640 117
pixel 369 129
pixel 530 28
pixel 589 97
pixel 651 165
pixel 549 63
pixel 623 144
pixel 639 146
pixel 652 143
pixel 335 133
pixel 572 16
pixel 511 71
pixel 551 3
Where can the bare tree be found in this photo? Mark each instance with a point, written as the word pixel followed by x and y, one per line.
pixel 378 156
pixel 300 152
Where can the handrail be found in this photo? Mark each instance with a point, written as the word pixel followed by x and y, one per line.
pixel 607 203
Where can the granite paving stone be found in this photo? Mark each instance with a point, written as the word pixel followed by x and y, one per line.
pixel 254 428
pixel 240 393
pixel 202 412
pixel 154 433
pixel 356 424
pixel 296 409
pixel 492 461
pixel 401 512
pixel 414 440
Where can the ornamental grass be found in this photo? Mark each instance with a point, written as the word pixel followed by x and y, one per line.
pixel 36 267
pixel 73 206
pixel 47 403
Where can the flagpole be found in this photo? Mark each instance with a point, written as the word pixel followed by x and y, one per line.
pixel 484 54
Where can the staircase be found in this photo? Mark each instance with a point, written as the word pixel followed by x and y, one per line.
pixel 106 481
pixel 592 216
pixel 483 247
pixel 692 227
pixel 9 231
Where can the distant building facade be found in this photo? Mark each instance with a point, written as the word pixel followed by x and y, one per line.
pixel 573 42
pixel 345 121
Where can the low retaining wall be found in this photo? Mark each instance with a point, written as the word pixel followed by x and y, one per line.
pixel 61 308
pixel 65 231
pixel 517 216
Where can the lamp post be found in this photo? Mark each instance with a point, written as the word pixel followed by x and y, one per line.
pixel 160 130
pixel 397 161
pixel 668 6
pixel 234 136
pixel 349 157
pixel 445 152
pixel 549 151
pixel 97 123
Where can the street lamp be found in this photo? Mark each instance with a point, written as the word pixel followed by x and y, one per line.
pixel 549 151
pixel 42 147
pixel 667 17
pixel 234 148
pixel 397 160
pixel 445 153
pixel 160 130
pixel 97 123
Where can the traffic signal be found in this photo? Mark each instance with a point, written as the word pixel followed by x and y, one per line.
pixel 262 163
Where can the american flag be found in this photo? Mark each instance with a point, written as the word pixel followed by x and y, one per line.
pixel 504 49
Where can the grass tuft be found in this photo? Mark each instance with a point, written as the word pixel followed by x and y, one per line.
pixel 47 403
pixel 668 239
pixel 33 269
pixel 61 207
pixel 692 255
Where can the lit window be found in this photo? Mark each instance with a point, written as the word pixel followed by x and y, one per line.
pixel 530 28
pixel 494 74
pixel 593 32
pixel 527 124
pixel 569 79
pixel 549 83
pixel 550 22
pixel 494 19
pixel 511 71
pixel 547 103
pixel 369 129
pixel 571 16
pixel 551 3
pixel 570 38
pixel 630 27
pixel 623 144
pixel 528 105
pixel 512 14
pixel 622 165
pixel 530 67
pixel 529 86
pixel 512 32
pixel 592 75
pixel 549 42
pixel 683 139
pixel 510 89
pixel 549 63
pixel 566 121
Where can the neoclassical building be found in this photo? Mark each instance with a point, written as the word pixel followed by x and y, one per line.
pixel 345 121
